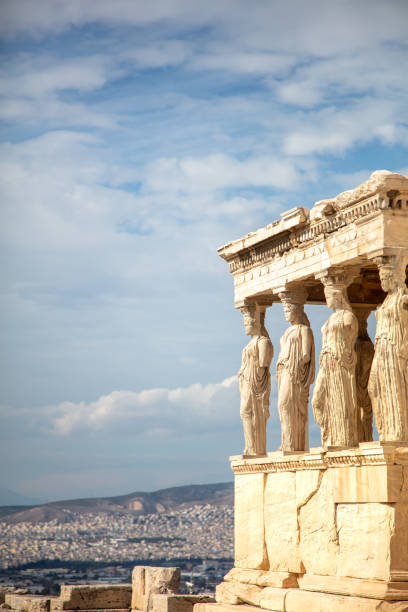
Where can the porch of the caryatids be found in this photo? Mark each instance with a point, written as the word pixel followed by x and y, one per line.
pixel 388 382
pixel 334 399
pixel 255 379
pixel 295 371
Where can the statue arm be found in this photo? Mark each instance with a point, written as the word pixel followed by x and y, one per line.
pixel 307 340
pixel 350 321
pixel 265 352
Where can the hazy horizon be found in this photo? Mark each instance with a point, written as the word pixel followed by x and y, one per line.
pixel 4 492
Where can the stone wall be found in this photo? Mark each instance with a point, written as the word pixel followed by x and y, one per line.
pixel 92 597
pixel 153 589
pixel 328 522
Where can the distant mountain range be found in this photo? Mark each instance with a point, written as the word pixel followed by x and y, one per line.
pixel 11 498
pixel 138 503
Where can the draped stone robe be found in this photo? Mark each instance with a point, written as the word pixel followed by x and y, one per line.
pixel 388 383
pixel 255 387
pixel 294 380
pixel 334 397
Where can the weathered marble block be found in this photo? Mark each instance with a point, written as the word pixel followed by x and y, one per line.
pixel 92 597
pixel 339 515
pixel 250 551
pixel 280 517
pixel 178 603
pixel 148 581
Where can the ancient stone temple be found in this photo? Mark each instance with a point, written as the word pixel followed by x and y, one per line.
pixel 325 528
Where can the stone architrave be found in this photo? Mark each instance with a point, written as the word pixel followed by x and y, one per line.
pixel 365 354
pixel 255 380
pixel 388 383
pixel 335 396
pixel 295 370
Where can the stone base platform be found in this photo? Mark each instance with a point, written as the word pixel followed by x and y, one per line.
pixel 255 586
pixel 322 530
pixel 297 600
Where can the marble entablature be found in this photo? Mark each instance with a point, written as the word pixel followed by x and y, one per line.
pixel 372 221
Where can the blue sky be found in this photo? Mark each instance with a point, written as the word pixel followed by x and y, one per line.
pixel 137 137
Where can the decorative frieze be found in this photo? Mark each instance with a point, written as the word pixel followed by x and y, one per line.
pixel 286 240
pixel 383 191
pixel 318 458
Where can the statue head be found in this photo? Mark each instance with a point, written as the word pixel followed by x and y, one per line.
pixel 293 312
pixel 336 296
pixel 335 282
pixel 252 322
pixel 392 272
pixel 292 302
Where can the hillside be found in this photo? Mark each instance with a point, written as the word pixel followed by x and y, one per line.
pixel 136 503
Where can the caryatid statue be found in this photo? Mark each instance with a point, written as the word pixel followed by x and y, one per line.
pixel 388 383
pixel 255 380
pixel 295 371
pixel 365 354
pixel 335 397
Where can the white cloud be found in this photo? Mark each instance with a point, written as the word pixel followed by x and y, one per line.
pixel 57 15
pixel 62 172
pixel 76 202
pixel 52 113
pixel 320 28
pixel 335 130
pixel 218 171
pixel 376 71
pixel 229 59
pixel 159 55
pixel 198 408
pixel 34 88
pixel 35 76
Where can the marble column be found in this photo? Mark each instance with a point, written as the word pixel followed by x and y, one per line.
pixel 295 370
pixel 388 383
pixel 335 395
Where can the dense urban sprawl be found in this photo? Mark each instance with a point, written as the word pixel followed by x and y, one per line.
pixel 204 531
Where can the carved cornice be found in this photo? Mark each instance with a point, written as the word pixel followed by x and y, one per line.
pixel 282 466
pixel 323 461
pixel 266 250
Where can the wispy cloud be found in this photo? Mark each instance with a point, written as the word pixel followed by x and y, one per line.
pixel 218 171
pixel 197 408
pixel 337 130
